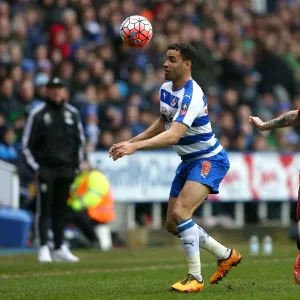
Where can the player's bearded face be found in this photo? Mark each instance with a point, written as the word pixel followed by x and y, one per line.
pixel 173 65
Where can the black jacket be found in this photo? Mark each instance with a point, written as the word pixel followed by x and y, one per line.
pixel 53 137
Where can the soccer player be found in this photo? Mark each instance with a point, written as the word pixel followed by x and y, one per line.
pixel 184 123
pixel 291 118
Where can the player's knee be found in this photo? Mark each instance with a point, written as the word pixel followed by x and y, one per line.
pixel 177 215
pixel 181 211
pixel 170 226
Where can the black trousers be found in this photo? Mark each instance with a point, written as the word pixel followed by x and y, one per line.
pixel 85 224
pixel 53 191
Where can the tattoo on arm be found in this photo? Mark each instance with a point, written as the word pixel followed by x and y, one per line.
pixel 285 120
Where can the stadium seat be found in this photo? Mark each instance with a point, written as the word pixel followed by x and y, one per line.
pixel 15 227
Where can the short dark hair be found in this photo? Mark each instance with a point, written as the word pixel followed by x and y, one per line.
pixel 187 51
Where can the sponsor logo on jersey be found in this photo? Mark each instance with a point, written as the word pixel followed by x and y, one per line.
pixel 43 187
pixel 68 118
pixel 167 113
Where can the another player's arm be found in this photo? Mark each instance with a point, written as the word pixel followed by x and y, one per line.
pixel 285 120
pixel 156 128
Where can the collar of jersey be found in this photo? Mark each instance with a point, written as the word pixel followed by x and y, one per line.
pixel 181 86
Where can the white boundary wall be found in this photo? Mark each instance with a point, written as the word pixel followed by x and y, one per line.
pixel 9 185
pixel 146 176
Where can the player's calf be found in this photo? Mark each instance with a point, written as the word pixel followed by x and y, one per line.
pixel 171 227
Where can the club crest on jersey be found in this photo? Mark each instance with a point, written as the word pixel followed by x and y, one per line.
pixel 173 103
pixel 184 108
pixel 47 119
pixel 205 168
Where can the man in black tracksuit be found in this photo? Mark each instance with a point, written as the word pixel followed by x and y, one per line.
pixel 53 147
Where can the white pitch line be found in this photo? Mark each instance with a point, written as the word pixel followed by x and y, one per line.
pixel 133 269
pixel 91 271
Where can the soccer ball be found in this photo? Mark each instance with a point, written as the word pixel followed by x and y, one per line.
pixel 136 31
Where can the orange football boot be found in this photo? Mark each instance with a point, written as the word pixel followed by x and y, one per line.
pixel 188 285
pixel 296 270
pixel 225 265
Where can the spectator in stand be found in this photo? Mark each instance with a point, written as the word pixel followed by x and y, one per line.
pixel 8 151
pixel 79 42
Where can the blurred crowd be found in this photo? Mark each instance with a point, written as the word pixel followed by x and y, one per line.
pixel 248 64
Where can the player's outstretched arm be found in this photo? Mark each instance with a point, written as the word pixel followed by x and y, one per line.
pixel 285 120
pixel 156 128
pixel 164 139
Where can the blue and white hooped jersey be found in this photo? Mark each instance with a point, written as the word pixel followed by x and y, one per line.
pixel 188 105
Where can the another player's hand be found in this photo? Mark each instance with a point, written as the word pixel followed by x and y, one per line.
pixel 121 149
pixel 257 122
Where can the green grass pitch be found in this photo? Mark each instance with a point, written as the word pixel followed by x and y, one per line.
pixel 146 274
